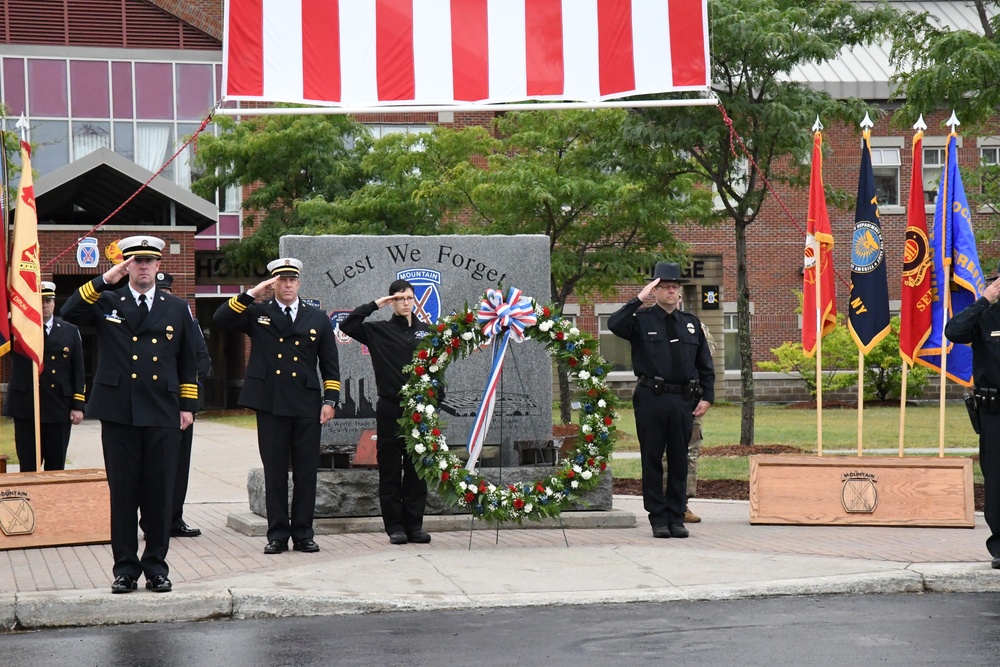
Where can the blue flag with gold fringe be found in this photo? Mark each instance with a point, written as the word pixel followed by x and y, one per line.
pixel 953 245
pixel 868 314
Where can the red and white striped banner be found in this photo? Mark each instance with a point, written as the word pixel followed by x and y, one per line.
pixel 385 52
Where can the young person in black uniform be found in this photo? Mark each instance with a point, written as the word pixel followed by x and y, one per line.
pixel 61 384
pixel 402 494
pixel 145 392
pixel 979 324
pixel 178 527
pixel 287 337
pixel 676 383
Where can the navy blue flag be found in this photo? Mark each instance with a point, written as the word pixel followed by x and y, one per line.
pixel 955 254
pixel 868 315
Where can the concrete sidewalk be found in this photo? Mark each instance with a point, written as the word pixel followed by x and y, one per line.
pixel 225 574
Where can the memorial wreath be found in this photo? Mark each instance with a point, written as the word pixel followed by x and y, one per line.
pixel 458 335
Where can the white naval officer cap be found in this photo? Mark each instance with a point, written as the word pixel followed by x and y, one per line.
pixel 285 266
pixel 141 246
pixel 48 290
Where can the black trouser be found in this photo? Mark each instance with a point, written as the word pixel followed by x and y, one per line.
pixel 183 473
pixel 55 440
pixel 141 462
pixel 989 462
pixel 280 440
pixel 402 494
pixel 663 423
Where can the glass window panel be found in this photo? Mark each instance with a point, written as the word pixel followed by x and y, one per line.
pixel 231 199
pixel 195 92
pixel 125 140
pixel 89 91
pixel 47 88
pixel 229 225
pixel 13 87
pixel 154 91
pixel 887 185
pixel 51 145
pixel 207 242
pixel 183 165
pixel 153 145
pixel 121 89
pixel 991 155
pixel 88 136
pixel 616 351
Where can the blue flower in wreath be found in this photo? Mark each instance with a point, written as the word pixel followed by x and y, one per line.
pixel 527 489
pixel 588 408
pixel 598 371
pixel 423 428
pixel 570 346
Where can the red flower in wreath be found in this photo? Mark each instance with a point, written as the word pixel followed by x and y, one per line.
pixel 518 503
pixel 445 476
pixel 455 343
pixel 435 432
pixel 422 354
pixel 546 312
pixel 604 466
pixel 570 474
pixel 469 317
pixel 416 417
pixel 572 361
pixel 419 370
pixel 469 497
pixel 608 421
pixel 441 327
pixel 589 437
pixel 430 392
pixel 560 335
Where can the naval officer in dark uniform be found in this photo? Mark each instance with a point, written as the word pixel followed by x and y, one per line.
pixel 61 385
pixel 979 324
pixel 402 494
pixel 145 392
pixel 676 383
pixel 288 338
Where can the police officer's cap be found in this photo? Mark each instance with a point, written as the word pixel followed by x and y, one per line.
pixel 285 266
pixel 668 272
pixel 48 290
pixel 141 246
pixel 164 280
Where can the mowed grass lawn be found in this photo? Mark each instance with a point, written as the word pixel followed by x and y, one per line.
pixel 774 425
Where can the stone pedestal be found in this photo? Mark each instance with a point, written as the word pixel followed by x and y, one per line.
pixel 354 492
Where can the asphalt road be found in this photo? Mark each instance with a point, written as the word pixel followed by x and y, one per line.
pixel 932 629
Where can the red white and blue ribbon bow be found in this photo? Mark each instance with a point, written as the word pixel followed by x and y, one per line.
pixel 515 313
pixel 497 316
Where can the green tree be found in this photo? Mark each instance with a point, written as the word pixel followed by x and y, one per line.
pixel 840 361
pixel 884 369
pixel 281 162
pixel 756 46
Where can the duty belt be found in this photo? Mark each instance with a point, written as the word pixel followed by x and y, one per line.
pixel 660 386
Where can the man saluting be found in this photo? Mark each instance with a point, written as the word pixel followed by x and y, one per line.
pixel 145 392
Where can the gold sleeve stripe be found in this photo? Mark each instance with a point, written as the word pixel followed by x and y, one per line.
pixel 189 391
pixel 77 397
pixel 331 384
pixel 89 294
pixel 235 304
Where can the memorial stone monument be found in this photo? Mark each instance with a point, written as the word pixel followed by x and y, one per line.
pixel 447 272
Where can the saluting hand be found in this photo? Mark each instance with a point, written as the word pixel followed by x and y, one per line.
pixel 992 291
pixel 648 289
pixel 117 272
pixel 260 288
pixel 386 300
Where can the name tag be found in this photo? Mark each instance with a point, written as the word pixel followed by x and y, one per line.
pixel 265 320
pixel 113 317
pixel 995 333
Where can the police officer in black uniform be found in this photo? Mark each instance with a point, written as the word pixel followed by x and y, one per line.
pixel 179 527
pixel 676 382
pixel 61 385
pixel 145 392
pixel 287 337
pixel 979 324
pixel 402 494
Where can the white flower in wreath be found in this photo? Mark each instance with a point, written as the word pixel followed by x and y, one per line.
pixel 443 446
pixel 584 375
pixel 545 326
pixel 586 474
pixel 462 485
pixel 433 368
pixel 467 335
pixel 528 507
pixel 429 409
pixel 404 388
pixel 419 448
pixel 420 407
pixel 574 484
pixel 491 488
pixel 548 491
pixel 446 333
pixel 602 403
pixel 443 464
pixel 415 433
pixel 577 469
pixel 586 428
pixel 425 379
pixel 573 331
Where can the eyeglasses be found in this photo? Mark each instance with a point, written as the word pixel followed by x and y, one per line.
pixel 405 299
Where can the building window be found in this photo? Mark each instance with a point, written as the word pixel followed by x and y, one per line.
pixel 989 157
pixel 617 352
pixel 933 164
pixel 731 336
pixel 885 165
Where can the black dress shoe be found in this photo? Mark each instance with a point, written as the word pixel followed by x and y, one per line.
pixel 276 547
pixel 678 530
pixel 661 531
pixel 399 537
pixel 184 530
pixel 159 584
pixel 306 546
pixel 996 563
pixel 124 584
pixel 418 536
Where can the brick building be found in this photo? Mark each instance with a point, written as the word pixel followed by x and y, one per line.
pixel 113 87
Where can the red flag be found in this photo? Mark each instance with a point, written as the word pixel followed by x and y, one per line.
pixel 818 254
pixel 24 281
pixel 915 309
pixel 4 205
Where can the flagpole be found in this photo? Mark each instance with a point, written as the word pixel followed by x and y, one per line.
pixel 902 407
pixel 819 354
pixel 861 400
pixel 5 204
pixel 946 288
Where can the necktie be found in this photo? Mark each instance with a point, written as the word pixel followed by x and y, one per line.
pixel 288 314
pixel 143 308
pixel 676 349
